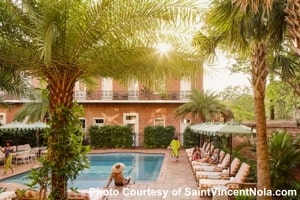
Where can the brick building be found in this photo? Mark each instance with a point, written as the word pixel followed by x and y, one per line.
pixel 112 103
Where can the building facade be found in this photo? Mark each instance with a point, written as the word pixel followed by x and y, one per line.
pixel 113 103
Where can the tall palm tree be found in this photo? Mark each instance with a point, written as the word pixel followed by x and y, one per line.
pixel 202 105
pixel 243 27
pixel 64 41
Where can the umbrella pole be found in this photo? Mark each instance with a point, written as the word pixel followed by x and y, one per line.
pixel 219 144
pixel 230 153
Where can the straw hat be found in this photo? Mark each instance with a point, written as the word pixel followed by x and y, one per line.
pixel 117 168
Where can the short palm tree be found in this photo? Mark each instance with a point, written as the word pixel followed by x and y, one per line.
pixel 202 105
pixel 284 153
pixel 35 110
pixel 12 82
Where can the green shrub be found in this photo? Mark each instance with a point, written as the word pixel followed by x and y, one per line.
pixel 19 137
pixel 158 136
pixel 284 154
pixel 190 138
pixel 111 136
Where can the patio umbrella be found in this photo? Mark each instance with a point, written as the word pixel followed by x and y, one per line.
pixel 199 127
pixel 227 130
pixel 38 125
pixel 15 127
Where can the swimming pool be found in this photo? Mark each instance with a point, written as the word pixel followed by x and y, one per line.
pixel 142 167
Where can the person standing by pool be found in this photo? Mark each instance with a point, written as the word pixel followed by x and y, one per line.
pixel 118 176
pixel 175 147
pixel 7 150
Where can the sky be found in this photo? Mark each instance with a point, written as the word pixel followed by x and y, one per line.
pixel 217 75
pixel 220 77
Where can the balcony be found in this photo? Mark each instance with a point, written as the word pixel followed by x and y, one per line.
pixel 133 96
pixel 118 96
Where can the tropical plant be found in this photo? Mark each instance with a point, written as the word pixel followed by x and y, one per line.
pixel 284 153
pixel 12 82
pixel 203 105
pixel 37 109
pixel 66 41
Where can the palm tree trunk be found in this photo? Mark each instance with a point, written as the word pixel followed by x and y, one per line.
pixel 293 17
pixel 61 97
pixel 259 77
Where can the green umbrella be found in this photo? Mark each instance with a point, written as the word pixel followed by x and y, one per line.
pixel 15 127
pixel 224 129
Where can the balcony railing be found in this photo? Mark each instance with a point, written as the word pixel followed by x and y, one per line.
pixel 130 95
pixel 80 95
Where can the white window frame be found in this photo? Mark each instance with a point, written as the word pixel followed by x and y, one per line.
pixel 159 121
pixel 98 124
pixel 3 120
pixel 83 126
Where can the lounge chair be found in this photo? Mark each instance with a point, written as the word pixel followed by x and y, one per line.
pixel 199 165
pixel 208 150
pixel 202 166
pixel 230 183
pixel 219 172
pixel 204 146
pixel 189 151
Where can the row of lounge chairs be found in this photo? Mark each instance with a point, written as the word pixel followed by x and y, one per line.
pixel 224 174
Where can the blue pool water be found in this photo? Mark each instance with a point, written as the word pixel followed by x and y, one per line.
pixel 141 167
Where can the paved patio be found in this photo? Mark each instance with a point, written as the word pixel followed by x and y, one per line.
pixel 175 182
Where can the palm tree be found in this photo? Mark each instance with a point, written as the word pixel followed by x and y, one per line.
pixel 65 41
pixel 12 82
pixel 243 27
pixel 203 106
pixel 35 110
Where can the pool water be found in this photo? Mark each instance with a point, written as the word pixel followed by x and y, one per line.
pixel 141 167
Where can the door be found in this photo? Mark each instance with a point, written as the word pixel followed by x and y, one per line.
pixel 132 120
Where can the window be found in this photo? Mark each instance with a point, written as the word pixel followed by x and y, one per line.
pixel 185 88
pixel 186 121
pixel 130 117
pixel 159 122
pixel 80 91
pixel 107 88
pixel 99 121
pixel 133 90
pixel 2 118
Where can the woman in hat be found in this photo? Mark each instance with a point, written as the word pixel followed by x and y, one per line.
pixel 117 174
pixel 7 150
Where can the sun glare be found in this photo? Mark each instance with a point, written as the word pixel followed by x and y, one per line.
pixel 164 47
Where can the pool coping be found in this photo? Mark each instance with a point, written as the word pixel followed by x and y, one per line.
pixel 161 175
pixel 23 168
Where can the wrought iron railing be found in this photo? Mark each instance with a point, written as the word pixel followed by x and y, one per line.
pixel 80 95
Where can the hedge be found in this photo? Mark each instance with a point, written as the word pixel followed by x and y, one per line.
pixel 111 136
pixel 158 136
